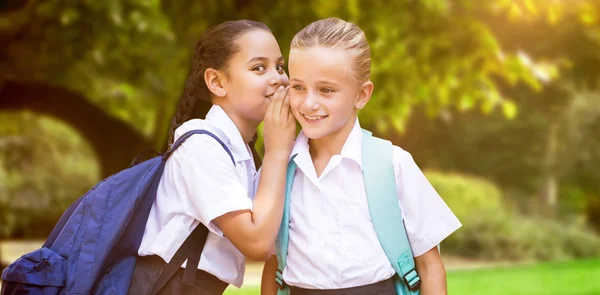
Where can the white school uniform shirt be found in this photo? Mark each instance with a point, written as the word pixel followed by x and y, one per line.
pixel 332 240
pixel 201 183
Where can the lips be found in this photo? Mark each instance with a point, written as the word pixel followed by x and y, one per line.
pixel 314 118
pixel 270 95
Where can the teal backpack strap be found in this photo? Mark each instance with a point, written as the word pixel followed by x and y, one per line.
pixel 380 186
pixel 281 244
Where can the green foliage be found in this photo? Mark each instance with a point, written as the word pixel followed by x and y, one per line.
pixel 44 166
pixel 593 212
pixel 581 152
pixel 131 57
pixel 511 237
pixel 491 231
pixel 574 201
pixel 525 60
pixel 465 195
pixel 121 54
pixel 507 152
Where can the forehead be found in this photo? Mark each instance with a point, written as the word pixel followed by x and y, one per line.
pixel 314 63
pixel 256 43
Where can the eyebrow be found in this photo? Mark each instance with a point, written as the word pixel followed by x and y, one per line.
pixel 328 82
pixel 318 82
pixel 263 59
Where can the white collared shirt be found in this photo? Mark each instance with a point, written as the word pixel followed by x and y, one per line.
pixel 332 240
pixel 201 183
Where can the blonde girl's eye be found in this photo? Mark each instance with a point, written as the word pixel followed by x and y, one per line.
pixel 326 90
pixel 297 87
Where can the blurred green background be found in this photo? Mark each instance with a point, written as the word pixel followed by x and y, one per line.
pixel 497 100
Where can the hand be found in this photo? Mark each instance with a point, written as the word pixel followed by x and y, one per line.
pixel 279 124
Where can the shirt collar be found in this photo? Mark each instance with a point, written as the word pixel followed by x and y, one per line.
pixel 219 123
pixel 352 148
pixel 218 117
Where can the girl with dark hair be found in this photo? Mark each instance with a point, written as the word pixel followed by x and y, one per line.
pixel 238 67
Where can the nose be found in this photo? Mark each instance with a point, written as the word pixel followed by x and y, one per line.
pixel 311 102
pixel 285 80
pixel 277 79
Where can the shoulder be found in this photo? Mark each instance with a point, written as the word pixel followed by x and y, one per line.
pixel 201 147
pixel 399 155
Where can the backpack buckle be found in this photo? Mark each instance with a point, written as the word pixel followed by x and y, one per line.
pixel 279 280
pixel 412 280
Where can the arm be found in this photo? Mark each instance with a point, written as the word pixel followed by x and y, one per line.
pixel 254 232
pixel 431 270
pixel 268 286
pixel 427 219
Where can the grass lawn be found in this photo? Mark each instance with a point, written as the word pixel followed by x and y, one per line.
pixel 564 278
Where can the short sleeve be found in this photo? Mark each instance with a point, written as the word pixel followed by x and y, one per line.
pixel 256 181
pixel 427 218
pixel 208 178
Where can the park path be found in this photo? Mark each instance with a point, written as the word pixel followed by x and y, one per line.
pixel 11 250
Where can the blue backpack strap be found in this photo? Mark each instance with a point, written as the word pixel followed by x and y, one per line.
pixel 380 186
pixel 186 135
pixel 192 247
pixel 281 244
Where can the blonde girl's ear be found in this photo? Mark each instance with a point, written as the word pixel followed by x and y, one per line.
pixel 364 94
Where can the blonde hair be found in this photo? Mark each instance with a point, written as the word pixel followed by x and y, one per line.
pixel 336 33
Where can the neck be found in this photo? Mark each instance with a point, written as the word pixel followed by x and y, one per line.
pixel 246 127
pixel 331 144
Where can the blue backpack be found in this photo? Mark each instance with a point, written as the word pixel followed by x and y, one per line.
pixel 93 248
pixel 380 186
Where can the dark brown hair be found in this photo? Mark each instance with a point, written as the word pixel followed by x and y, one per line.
pixel 214 50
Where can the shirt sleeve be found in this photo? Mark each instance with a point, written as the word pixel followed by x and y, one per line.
pixel 427 218
pixel 209 181
pixel 256 181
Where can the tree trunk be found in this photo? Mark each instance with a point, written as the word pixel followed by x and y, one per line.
pixel 549 190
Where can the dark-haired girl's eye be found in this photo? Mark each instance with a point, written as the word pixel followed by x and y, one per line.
pixel 259 68
pixel 280 68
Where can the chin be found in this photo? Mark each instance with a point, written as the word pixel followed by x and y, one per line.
pixel 315 132
pixel 256 114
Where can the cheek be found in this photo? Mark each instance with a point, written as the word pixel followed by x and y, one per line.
pixel 250 83
pixel 295 101
pixel 340 106
pixel 259 83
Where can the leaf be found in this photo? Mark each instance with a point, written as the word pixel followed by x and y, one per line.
pixel 509 109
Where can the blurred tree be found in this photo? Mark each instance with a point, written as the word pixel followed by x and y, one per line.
pixel 130 57
pixel 112 52
pixel 539 149
pixel 115 143
pixel 436 53
pixel 559 32
pixel 40 175
pixel 580 133
pixel 127 60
